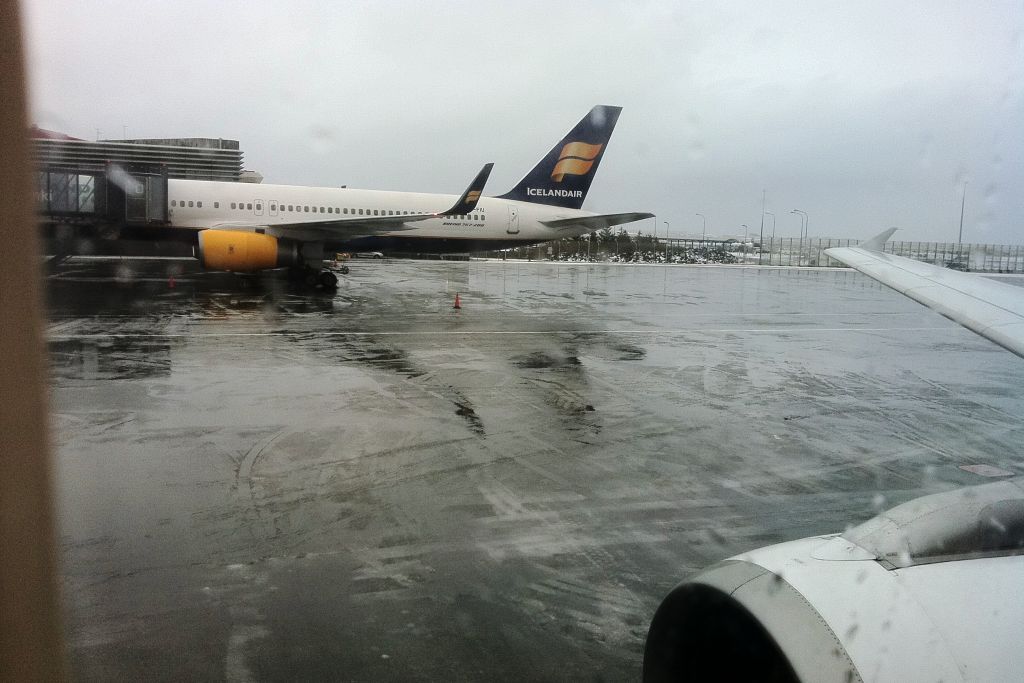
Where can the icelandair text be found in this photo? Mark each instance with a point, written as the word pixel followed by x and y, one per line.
pixel 541 192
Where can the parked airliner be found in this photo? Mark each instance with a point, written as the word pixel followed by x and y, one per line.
pixel 247 227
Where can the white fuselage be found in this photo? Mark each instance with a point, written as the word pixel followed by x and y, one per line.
pixel 199 205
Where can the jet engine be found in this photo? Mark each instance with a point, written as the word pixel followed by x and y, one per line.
pixel 245 252
pixel 927 591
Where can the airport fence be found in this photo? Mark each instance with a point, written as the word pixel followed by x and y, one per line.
pixel 780 251
pixel 978 258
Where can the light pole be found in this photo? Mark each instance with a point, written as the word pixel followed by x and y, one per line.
pixel 803 221
pixel 666 240
pixel 761 251
pixel 760 246
pixel 803 227
pixel 963 202
pixel 704 232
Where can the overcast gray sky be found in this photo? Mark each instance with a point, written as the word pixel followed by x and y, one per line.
pixel 863 114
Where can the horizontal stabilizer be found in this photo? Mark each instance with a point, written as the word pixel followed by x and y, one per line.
pixel 599 222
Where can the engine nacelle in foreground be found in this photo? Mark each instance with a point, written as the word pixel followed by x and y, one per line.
pixel 245 252
pixel 927 591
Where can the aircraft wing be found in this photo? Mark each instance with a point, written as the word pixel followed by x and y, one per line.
pixel 352 226
pixel 993 309
pixel 598 222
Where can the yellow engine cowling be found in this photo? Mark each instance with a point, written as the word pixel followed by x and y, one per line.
pixel 244 252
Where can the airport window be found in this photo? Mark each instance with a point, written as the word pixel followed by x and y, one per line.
pixel 174 203
pixel 344 210
pixel 321 209
pixel 199 205
pixel 233 205
pixel 337 210
pixel 190 204
pixel 216 205
pixel 305 208
pixel 330 210
pixel 259 207
pixel 375 212
pixel 290 208
pixel 249 207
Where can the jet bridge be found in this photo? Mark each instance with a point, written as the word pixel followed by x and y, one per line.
pixel 118 196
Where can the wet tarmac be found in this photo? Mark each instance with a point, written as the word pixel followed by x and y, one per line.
pixel 258 483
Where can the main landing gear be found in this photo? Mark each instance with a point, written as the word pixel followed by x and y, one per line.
pixel 313 277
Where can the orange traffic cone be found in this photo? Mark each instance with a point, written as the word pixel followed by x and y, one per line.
pixel 458 302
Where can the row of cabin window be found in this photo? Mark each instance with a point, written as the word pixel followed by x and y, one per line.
pixel 305 209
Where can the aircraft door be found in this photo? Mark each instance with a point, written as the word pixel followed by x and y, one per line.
pixel 273 207
pixel 513 220
pixel 259 207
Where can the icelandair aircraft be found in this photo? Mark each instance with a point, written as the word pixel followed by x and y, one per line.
pixel 249 227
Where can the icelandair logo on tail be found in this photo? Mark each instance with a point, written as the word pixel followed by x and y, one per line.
pixel 576 158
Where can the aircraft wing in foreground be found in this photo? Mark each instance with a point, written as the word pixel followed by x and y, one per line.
pixel 926 591
pixel 993 309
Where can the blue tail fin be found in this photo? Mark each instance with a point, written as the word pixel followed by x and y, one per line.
pixel 563 176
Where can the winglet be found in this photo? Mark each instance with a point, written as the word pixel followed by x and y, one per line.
pixel 467 202
pixel 877 243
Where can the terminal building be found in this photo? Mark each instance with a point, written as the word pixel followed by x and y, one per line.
pixel 185 158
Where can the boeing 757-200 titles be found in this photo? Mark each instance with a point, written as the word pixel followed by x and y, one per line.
pixel 244 227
